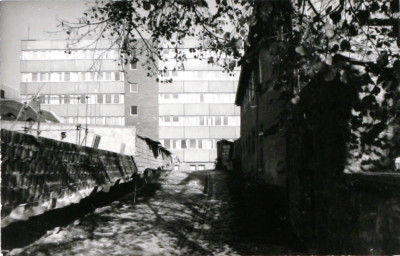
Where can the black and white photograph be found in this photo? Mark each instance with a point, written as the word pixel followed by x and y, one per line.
pixel 200 127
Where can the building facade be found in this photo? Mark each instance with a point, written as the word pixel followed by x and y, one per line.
pixel 197 109
pixel 83 86
pixel 189 115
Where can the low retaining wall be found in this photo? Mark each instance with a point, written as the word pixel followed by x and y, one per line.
pixel 40 174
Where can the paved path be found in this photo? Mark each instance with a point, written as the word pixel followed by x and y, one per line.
pixel 179 219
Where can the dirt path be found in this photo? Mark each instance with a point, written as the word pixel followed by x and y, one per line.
pixel 191 214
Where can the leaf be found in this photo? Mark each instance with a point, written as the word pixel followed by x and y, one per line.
pixel 374 7
pixel 336 16
pixel 330 75
pixel 319 66
pixel 330 33
pixel 146 6
pixel 227 35
pixel 376 90
pixel 383 59
pixel 363 16
pixel 301 50
pixel 334 48
pixel 345 45
pixel 344 77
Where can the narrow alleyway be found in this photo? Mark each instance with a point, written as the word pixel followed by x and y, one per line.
pixel 191 213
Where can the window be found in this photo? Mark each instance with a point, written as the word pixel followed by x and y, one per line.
pixel 134 110
pixel 116 98
pixel 35 77
pixel 117 76
pixel 174 73
pixel 82 76
pixel 167 143
pixel 175 119
pixel 200 143
pixel 193 167
pixel 66 99
pixel 167 119
pixel 133 87
pixel 83 98
pixel 217 120
pixel 201 167
pixel 100 76
pixel 202 120
pixel 92 76
pixel 44 77
pixel 133 65
pixel 67 76
pixel 108 76
pixel 175 96
pixel 192 143
pixel 183 143
pixel 108 98
pixel 100 98
pixel 225 120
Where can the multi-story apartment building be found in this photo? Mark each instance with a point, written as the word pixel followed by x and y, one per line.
pixel 87 85
pixel 189 115
pixel 197 109
pixel 73 85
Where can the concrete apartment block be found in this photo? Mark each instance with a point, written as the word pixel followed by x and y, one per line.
pixel 171 110
pixel 217 132
pixel 222 109
pixel 197 132
pixel 196 109
pixel 196 155
pixel 221 86
pixel 172 132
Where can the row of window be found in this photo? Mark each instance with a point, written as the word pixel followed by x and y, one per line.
pixel 79 99
pixel 200 75
pixel 199 120
pixel 197 98
pixel 70 54
pixel 73 76
pixel 102 54
pixel 116 120
pixel 170 53
pixel 189 143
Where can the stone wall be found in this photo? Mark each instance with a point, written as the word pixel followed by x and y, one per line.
pixel 39 173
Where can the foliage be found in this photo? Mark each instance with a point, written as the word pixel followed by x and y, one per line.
pixel 350 40
pixel 143 28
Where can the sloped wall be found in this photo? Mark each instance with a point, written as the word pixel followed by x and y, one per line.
pixel 148 155
pixel 36 170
